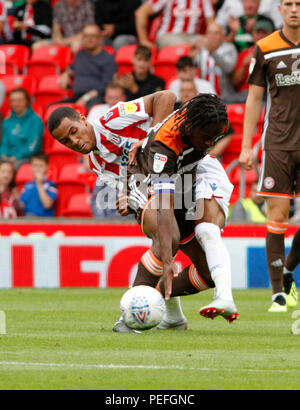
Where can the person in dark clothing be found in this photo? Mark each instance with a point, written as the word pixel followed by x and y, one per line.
pixel 92 70
pixel 117 20
pixel 33 22
pixel 140 82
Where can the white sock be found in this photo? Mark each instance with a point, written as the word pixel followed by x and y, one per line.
pixel 217 256
pixel 174 311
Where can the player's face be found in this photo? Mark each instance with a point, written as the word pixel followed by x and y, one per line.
pixel 79 136
pixel 290 11
pixel 203 139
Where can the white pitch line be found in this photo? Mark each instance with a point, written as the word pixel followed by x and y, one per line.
pixel 120 366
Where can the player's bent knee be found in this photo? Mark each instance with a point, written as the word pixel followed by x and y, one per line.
pixel 207 231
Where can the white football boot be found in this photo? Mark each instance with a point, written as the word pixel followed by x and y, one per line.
pixel 220 307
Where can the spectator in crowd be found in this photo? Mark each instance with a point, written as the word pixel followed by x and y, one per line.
pixel 33 22
pixel 92 70
pixel 8 191
pixel 141 81
pixel 261 29
pixel 250 210
pixel 114 93
pixel 186 70
pixel 240 28
pixel 224 54
pixel 5 31
pixel 38 196
pixel 234 8
pixel 69 19
pixel 187 91
pixel 179 22
pixel 22 131
pixel 117 21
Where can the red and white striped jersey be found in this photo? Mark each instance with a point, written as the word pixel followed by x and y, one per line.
pixel 182 16
pixel 121 126
pixel 208 69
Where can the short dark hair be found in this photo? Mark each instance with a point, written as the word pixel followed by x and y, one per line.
pixel 20 90
pixel 41 156
pixel 183 62
pixel 144 52
pixel 59 114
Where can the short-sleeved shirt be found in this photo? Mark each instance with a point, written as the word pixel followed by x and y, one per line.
pixel 31 199
pixel 73 19
pixel 276 67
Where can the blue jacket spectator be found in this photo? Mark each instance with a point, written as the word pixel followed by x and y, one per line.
pixel 22 131
pixel 38 196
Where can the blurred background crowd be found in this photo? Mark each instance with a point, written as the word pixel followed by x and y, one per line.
pixel 91 54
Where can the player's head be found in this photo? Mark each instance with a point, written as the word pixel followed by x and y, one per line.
pixel 290 12
pixel 202 121
pixel 71 129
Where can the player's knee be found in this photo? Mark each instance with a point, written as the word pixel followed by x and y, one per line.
pixel 206 232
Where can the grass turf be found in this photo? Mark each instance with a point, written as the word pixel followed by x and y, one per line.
pixel 62 339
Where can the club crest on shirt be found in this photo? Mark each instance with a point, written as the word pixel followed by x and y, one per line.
pixel 127 108
pixel 269 183
pixel 159 162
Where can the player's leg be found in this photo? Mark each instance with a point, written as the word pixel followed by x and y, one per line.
pixel 290 265
pixel 277 223
pixel 208 234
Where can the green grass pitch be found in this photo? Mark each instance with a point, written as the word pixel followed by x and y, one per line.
pixel 62 339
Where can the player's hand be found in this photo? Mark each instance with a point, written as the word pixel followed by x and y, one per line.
pixel 122 205
pixel 133 152
pixel 170 272
pixel 246 158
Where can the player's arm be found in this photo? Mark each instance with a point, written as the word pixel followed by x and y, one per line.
pixel 252 114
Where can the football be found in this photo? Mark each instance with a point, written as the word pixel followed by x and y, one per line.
pixel 142 307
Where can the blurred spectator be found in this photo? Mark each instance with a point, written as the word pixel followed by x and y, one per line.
pixel 8 191
pixel 114 93
pixel 5 31
pixel 141 81
pixel 241 72
pixel 234 8
pixel 22 131
pixel 250 209
pixel 69 19
pixel 180 22
pixel 117 20
pixel 38 196
pixel 224 54
pixel 92 70
pixel 240 28
pixel 188 90
pixel 186 71
pixel 33 22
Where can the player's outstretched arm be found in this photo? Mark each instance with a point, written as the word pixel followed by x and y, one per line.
pixel 252 114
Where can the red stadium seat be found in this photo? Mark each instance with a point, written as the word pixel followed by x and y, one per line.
pixel 49 91
pixel 48 60
pixel 59 156
pixel 79 206
pixel 109 49
pixel 71 181
pixel 167 57
pixel 16 57
pixel 12 82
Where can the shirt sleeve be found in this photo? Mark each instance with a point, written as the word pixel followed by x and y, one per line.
pixel 257 69
pixel 51 190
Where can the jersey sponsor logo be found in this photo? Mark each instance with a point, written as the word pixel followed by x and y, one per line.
pixel 125 157
pixel 115 139
pixel 191 12
pixel 287 80
pixel 127 108
pixel 159 162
